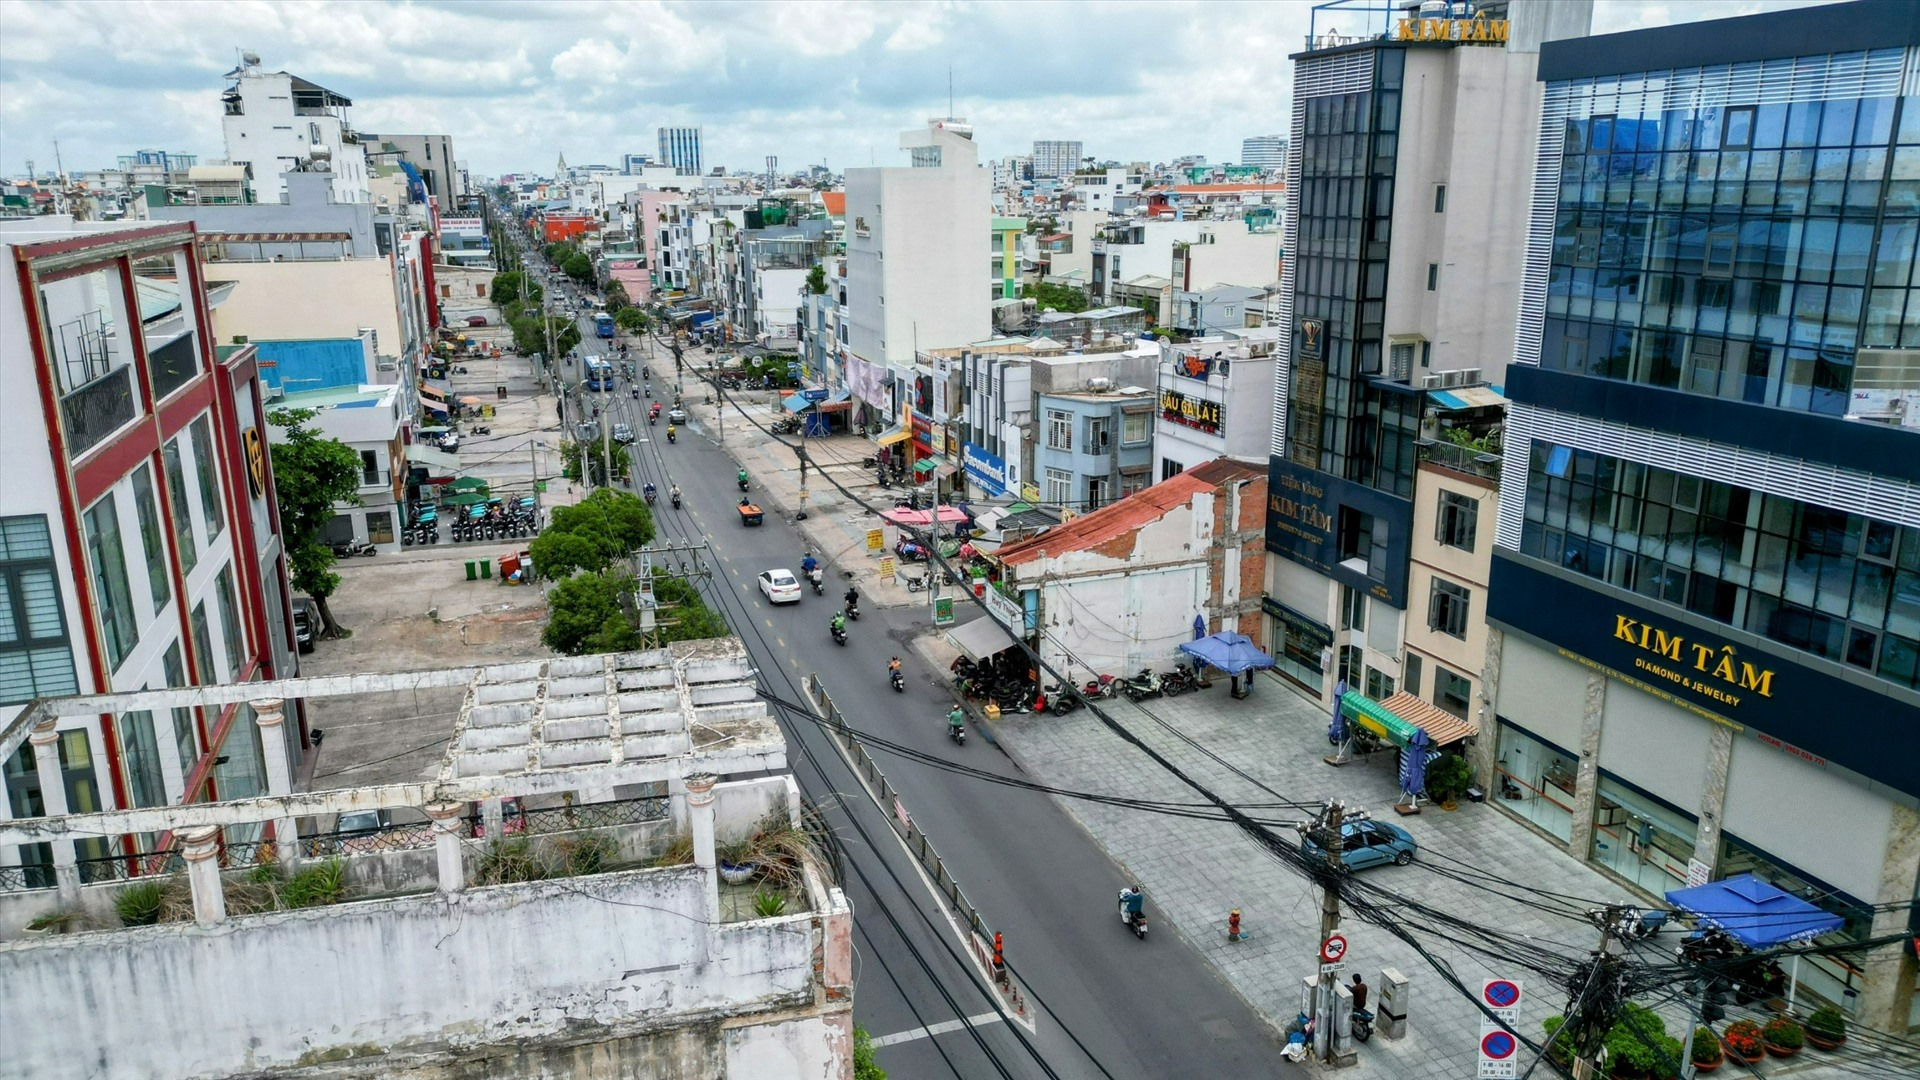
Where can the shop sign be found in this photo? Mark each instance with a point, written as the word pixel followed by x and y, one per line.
pixel 1311 635
pixel 256 461
pixel 1303 515
pixel 1786 705
pixel 1313 337
pixel 985 469
pixel 1197 413
pixel 1030 493
pixel 1193 365
pixel 1478 30
pixel 943 611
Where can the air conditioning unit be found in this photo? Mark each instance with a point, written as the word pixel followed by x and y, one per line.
pixel 1430 382
pixel 1470 376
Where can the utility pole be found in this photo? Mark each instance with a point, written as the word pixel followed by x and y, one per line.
pixel 1329 839
pixel 1595 993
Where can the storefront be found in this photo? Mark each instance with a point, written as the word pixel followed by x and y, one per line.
pixel 1641 838
pixel 1833 977
pixel 1536 780
pixel 1299 645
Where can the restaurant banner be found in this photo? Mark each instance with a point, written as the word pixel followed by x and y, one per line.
pixel 1197 413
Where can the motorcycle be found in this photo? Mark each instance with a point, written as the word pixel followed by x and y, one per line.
pixel 853 611
pixel 354 547
pixel 1134 918
pixel 480 429
pixel 1178 681
pixel 1362 1025
pixel 1065 699
pixel 1142 686
pixel 671 433
pixel 818 579
pixel 652 496
pixel 1102 686
pixel 743 482
pixel 897 681
pixel 676 500
pixel 958 733
pixel 839 634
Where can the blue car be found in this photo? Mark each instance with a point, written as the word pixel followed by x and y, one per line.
pixel 1367 843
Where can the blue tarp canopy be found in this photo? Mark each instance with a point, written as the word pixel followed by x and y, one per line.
pixel 1754 912
pixel 1230 652
pixel 797 403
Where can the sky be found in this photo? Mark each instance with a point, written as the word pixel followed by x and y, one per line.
pixel 518 82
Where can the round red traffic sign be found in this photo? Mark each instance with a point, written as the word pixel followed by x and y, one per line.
pixel 1501 994
pixel 1333 949
pixel 1498 1045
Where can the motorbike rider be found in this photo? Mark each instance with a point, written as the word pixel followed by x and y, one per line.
pixel 649 491
pixel 1133 900
pixel 671 432
pixel 852 598
pixel 742 477
pixel 956 718
pixel 808 564
pixel 839 623
pixel 893 666
pixel 674 494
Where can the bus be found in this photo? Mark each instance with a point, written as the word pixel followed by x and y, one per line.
pixel 599 374
pixel 603 325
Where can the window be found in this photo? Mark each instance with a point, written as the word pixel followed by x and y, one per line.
pixel 202 646
pixel 369 468
pixel 1059 430
pixel 152 541
pixel 186 738
pixel 1136 427
pixel 1099 433
pixel 1363 538
pixel 1096 492
pixel 1737 130
pixel 1721 245
pixel 1413 674
pixel 141 754
pixel 379 526
pixel 1433 276
pixel 1353 609
pixel 230 621
pixel 1134 478
pixel 1451 692
pixel 36 659
pixel 107 559
pixel 1059 487
pixel 1379 684
pixel 1170 468
pixel 1459 515
pixel 1400 360
pixel 1439 198
pixel 1447 608
pixel 177 506
pixel 209 473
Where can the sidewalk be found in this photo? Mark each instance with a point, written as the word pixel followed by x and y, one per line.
pixel 1196 871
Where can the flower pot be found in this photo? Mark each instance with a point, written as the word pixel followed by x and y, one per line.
pixel 1707 1068
pixel 1734 1053
pixel 737 874
pixel 1781 1051
pixel 1821 1042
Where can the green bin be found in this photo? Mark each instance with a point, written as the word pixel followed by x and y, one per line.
pixel 486 568
pixel 473 573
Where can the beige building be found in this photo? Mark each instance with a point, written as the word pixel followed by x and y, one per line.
pixel 1454 509
pixel 288 301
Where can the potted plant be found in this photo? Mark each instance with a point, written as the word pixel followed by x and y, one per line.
pixel 141 903
pixel 58 920
pixel 1706 1050
pixel 1827 1028
pixel 1559 1041
pixel 1742 1041
pixel 1783 1036
pixel 736 861
pixel 1449 779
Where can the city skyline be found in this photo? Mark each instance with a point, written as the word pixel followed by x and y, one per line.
pixel 796 84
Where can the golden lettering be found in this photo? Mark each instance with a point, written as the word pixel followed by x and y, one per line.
pixel 1752 678
pixel 1477 30
pixel 1666 645
pixel 1623 629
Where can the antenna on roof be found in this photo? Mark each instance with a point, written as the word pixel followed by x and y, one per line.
pixel 949 90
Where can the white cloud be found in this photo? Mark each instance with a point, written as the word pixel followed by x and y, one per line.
pixel 514 82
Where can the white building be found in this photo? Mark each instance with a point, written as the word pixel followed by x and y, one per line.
pixel 1055 158
pixel 917 238
pixel 1215 400
pixel 277 123
pixel 1264 151
pixel 1097 190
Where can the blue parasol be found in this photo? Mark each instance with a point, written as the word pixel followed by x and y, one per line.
pixel 1413 763
pixel 1337 730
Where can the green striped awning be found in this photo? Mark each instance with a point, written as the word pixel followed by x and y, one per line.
pixel 1370 714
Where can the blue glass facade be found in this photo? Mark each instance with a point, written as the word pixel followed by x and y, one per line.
pixel 1713 237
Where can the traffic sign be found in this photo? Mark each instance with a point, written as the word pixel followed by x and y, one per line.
pixel 1501 997
pixel 1332 949
pixel 1498 1053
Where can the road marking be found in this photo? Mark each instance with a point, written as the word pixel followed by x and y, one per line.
pixel 936 1029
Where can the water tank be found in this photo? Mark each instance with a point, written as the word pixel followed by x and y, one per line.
pixel 1099 385
pixel 1434 9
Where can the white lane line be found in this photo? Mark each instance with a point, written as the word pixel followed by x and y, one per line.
pixel 936 1029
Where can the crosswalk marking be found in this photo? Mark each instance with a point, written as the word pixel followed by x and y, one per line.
pixel 937 1029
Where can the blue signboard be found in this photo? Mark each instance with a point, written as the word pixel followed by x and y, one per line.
pixel 984 469
pixel 1307 513
pixel 816 396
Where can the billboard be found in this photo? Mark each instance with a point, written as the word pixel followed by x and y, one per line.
pixel 1312 516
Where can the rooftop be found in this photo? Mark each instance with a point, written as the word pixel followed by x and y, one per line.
pixel 1114 519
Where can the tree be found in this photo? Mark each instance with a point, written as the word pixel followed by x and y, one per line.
pixel 817 281
pixel 512 287
pixel 630 319
pixel 584 615
pixel 617 298
pixel 592 534
pixel 1058 297
pixel 311 474
pixel 578 267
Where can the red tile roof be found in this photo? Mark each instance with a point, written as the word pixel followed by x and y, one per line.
pixel 1221 471
pixel 835 202
pixel 1114 519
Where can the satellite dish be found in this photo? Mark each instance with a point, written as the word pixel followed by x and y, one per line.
pixel 250 57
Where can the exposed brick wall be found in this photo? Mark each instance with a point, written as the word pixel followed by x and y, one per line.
pixel 1250 527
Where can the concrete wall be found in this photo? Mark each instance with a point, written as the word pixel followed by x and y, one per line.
pixel 309 208
pixel 508 964
pixel 300 300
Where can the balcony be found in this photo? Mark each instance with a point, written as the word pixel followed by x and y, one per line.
pixel 1478 458
pixel 97 410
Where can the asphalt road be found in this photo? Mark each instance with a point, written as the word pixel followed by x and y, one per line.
pixel 1106 1004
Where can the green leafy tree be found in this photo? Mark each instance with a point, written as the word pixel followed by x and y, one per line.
pixel 587 462
pixel 617 298
pixel 684 616
pixel 864 1067
pixel 591 535
pixel 578 267
pixel 630 319
pixel 1058 297
pixel 513 287
pixel 584 615
pixel 817 281
pixel 311 474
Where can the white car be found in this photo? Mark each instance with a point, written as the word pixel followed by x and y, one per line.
pixel 780 586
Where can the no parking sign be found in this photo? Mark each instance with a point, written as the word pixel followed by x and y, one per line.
pixel 1498 1053
pixel 1501 997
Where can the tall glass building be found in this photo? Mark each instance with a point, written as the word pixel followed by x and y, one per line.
pixel 680 148
pixel 1707 563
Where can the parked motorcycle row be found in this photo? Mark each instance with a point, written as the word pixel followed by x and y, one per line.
pixel 495 519
pixel 1012 692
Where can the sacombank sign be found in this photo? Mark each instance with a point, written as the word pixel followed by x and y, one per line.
pixel 987 470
